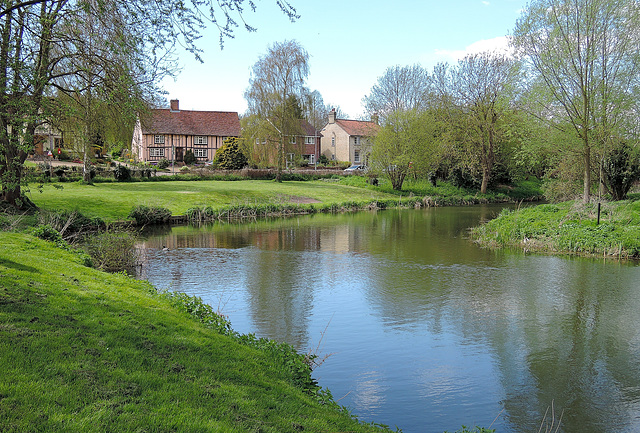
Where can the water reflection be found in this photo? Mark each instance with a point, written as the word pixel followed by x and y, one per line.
pixel 427 331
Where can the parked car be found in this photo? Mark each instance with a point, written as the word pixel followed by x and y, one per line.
pixel 354 168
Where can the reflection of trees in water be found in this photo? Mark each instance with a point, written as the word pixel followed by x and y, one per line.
pixel 562 331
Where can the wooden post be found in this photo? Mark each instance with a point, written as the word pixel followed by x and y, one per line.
pixel 598 223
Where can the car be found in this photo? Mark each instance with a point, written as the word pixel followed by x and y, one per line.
pixel 355 168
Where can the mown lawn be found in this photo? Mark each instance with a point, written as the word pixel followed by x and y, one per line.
pixel 82 350
pixel 114 201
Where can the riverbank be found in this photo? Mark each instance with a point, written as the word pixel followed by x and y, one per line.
pixel 568 228
pixel 214 199
pixel 84 350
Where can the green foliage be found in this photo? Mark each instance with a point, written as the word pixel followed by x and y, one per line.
pixel 230 156
pixel 145 215
pixel 621 168
pixel 48 233
pixel 112 251
pixel 163 163
pixel 122 173
pixel 189 157
pixel 195 307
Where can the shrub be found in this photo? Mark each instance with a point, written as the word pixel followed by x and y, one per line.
pixel 189 157
pixel 163 163
pixel 112 251
pixel 122 173
pixel 230 157
pixel 48 233
pixel 144 215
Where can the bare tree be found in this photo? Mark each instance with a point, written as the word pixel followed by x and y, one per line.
pixel 276 84
pixel 483 86
pixel 398 89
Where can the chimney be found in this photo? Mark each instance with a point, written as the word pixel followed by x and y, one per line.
pixel 332 116
pixel 175 105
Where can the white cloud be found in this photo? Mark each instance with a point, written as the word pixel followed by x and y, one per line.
pixel 498 45
pixel 486 3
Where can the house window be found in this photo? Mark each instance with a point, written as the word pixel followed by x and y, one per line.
pixel 356 156
pixel 333 141
pixel 333 157
pixel 311 158
pixel 264 141
pixel 158 139
pixel 200 153
pixel 292 140
pixel 308 140
pixel 156 152
pixel 200 140
pixel 356 141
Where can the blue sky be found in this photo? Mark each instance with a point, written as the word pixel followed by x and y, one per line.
pixel 350 42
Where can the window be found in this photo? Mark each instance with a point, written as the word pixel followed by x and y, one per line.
pixel 356 156
pixel 200 140
pixel 292 140
pixel 158 139
pixel 312 159
pixel 264 141
pixel 333 141
pixel 156 151
pixel 356 140
pixel 308 140
pixel 200 153
pixel 333 157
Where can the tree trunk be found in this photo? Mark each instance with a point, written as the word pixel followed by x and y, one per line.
pixel 586 194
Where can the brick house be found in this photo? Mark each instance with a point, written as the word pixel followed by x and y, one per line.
pixel 306 144
pixel 347 140
pixel 169 133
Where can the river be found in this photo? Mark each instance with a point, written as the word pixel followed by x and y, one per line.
pixel 423 329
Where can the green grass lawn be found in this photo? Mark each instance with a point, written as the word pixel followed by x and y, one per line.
pixel 114 201
pixel 82 350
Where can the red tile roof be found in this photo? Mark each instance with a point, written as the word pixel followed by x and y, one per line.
pixel 186 122
pixel 359 127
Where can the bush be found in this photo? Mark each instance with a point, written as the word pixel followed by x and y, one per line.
pixel 48 233
pixel 230 157
pixel 163 163
pixel 189 157
pixel 144 215
pixel 112 251
pixel 122 173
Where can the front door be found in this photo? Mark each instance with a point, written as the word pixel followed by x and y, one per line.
pixel 179 154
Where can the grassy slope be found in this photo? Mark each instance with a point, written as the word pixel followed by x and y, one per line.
pixel 569 227
pixel 113 201
pixel 82 350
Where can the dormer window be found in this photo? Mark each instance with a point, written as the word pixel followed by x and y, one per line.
pixel 158 139
pixel 200 139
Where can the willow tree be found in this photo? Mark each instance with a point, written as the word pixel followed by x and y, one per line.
pixel 38 47
pixel 275 87
pixel 587 52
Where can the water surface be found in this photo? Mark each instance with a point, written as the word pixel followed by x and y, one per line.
pixel 425 330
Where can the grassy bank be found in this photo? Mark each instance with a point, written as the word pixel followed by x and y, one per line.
pixel 568 228
pixel 82 350
pixel 214 199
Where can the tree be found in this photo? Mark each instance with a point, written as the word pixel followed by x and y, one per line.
pixel 407 139
pixel 398 89
pixel 38 41
pixel 276 84
pixel 483 89
pixel 587 53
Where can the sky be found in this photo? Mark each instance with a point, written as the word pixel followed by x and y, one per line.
pixel 350 44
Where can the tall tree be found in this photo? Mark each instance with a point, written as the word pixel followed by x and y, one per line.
pixel 276 84
pixel 35 41
pixel 483 89
pixel 400 88
pixel 587 52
